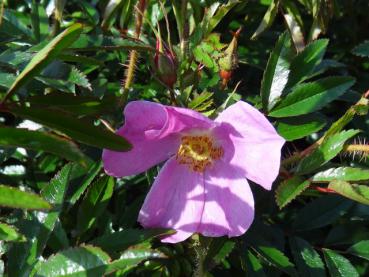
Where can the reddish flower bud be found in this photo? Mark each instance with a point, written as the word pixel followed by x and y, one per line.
pixel 165 65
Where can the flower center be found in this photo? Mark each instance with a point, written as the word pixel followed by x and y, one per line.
pixel 198 152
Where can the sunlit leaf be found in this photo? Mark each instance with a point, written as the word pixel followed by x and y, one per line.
pixel 342 174
pixel 360 249
pixel 307 260
pixel 10 233
pixel 15 198
pixel 359 193
pixel 310 97
pixel 289 190
pixel 276 73
pixel 325 152
pixel 293 128
pixel 338 265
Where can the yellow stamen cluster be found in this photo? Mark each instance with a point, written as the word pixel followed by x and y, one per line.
pixel 198 152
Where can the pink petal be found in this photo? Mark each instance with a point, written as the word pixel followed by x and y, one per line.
pixel 229 203
pixel 252 144
pixel 171 202
pixel 153 129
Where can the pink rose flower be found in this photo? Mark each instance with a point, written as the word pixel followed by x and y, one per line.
pixel 202 188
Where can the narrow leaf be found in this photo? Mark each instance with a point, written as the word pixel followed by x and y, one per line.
pixel 15 198
pixel 39 141
pixel 296 32
pixel 268 18
pixel 48 53
pixel 94 202
pixel 276 73
pixel 342 174
pixel 310 97
pixel 305 62
pixel 75 128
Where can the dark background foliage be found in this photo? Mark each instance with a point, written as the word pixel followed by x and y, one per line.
pixel 65 76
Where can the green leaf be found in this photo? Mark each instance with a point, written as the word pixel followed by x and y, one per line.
pixel 47 54
pixel 38 228
pixel 289 189
pixel 13 27
pixel 347 234
pixel 131 258
pixel 358 193
pixel 217 17
pixel 253 265
pixel 83 178
pixel 10 233
pixel 6 79
pixel 90 174
pixel 310 97
pixel 360 249
pixel 217 251
pixel 75 128
pixel 268 18
pixel 15 198
pixel 80 261
pixel 110 12
pixel 342 174
pixel 81 105
pixel 120 240
pixel 321 212
pixel 329 148
pixel 202 102
pixel 305 62
pixel 276 73
pixel 276 258
pixel 299 127
pixel 307 260
pixel 39 141
pixel 338 265
pixel 100 42
pixel 94 202
pixel 295 30
pixel 362 49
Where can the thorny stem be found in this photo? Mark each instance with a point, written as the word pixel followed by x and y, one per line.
pixel 335 128
pixel 185 30
pixel 357 148
pixel 129 73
